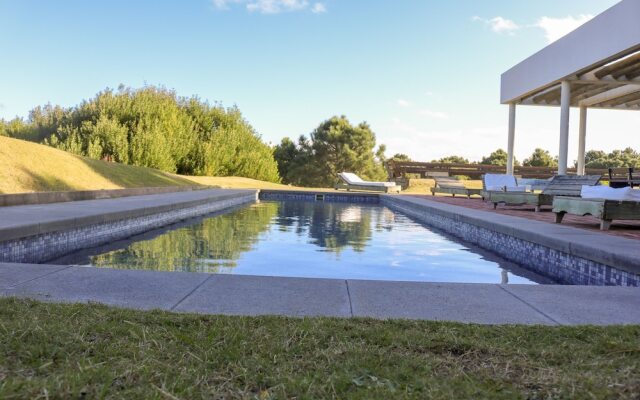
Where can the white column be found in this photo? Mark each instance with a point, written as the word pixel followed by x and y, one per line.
pixel 582 135
pixel 565 99
pixel 512 134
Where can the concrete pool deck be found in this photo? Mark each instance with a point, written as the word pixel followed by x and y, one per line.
pixel 253 295
pixel 300 297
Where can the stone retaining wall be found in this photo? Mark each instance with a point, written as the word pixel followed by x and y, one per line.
pixel 19 199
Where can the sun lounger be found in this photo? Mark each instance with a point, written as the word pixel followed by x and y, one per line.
pixel 453 187
pixel 534 183
pixel 602 202
pixel 502 183
pixel 623 177
pixel 354 182
pixel 559 185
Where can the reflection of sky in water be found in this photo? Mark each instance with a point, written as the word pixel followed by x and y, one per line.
pixel 307 239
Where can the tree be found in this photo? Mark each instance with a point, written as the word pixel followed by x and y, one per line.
pixel 498 157
pixel 452 160
pixel 540 158
pixel 153 127
pixel 400 157
pixel 285 154
pixel 334 146
pixel 616 159
pixel 16 128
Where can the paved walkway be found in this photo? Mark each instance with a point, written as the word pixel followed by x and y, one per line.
pixel 627 229
pixel 254 295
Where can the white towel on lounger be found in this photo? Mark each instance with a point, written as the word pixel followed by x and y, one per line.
pixel 609 193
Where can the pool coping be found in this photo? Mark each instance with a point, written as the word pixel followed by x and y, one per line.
pixel 246 295
pixel 30 198
pixel 617 252
pixel 37 219
pixel 227 294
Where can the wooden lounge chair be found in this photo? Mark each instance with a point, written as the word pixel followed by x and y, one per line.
pixel 559 185
pixel 501 183
pixel 453 187
pixel 354 182
pixel 603 202
pixel 624 177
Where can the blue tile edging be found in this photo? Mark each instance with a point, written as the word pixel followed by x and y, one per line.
pixel 329 197
pixel 42 247
pixel 560 266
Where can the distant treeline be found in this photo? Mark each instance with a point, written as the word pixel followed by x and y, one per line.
pixel 596 159
pixel 152 127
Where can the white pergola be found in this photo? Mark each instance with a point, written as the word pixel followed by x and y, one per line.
pixel 595 66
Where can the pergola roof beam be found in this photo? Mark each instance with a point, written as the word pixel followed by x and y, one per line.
pixel 621 101
pixel 550 94
pixel 593 92
pixel 609 95
pixel 615 68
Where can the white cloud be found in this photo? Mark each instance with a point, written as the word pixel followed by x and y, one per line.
pixel 499 24
pixel 271 6
pixel 318 8
pixel 224 4
pixel 555 28
pixel 403 103
pixel 434 114
pixel 276 6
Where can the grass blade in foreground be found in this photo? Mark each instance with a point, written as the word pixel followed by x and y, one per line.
pixel 65 351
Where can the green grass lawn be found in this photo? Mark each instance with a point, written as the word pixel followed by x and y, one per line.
pixel 32 167
pixel 92 351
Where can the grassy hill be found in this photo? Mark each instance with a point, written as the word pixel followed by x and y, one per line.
pixel 32 167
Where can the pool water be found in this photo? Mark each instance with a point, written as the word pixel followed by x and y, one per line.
pixel 307 239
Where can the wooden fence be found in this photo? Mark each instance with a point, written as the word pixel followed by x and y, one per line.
pixel 400 169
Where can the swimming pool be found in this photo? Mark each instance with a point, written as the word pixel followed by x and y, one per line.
pixel 307 239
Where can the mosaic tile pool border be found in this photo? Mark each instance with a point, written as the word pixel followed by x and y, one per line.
pixel 560 266
pixel 336 197
pixel 43 247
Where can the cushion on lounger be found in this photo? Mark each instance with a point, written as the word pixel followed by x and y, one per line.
pixel 353 179
pixel 501 183
pixel 609 193
pixel 534 184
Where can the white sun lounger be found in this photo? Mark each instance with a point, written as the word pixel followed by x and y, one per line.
pixel 354 182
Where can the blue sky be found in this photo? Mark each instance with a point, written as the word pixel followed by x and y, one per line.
pixel 424 74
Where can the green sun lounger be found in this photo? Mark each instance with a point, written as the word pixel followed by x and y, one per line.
pixel 453 187
pixel 603 202
pixel 559 185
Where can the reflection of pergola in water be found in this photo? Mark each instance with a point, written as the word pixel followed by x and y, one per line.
pixel 595 66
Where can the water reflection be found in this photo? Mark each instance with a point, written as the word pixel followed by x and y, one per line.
pixel 202 245
pixel 334 226
pixel 306 239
